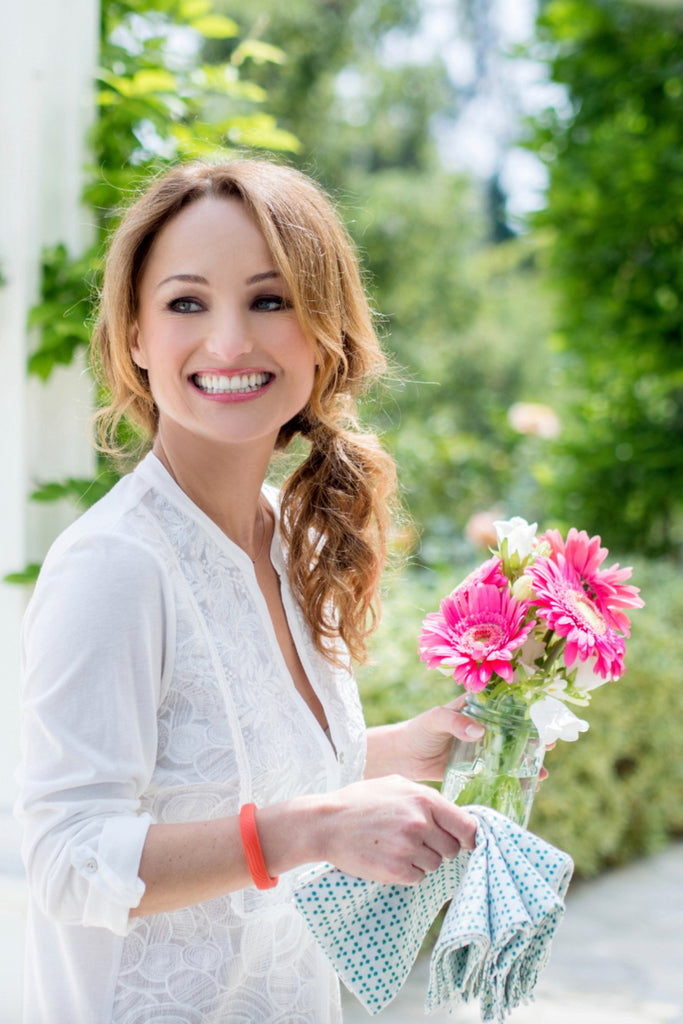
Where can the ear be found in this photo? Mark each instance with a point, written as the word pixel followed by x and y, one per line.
pixel 136 349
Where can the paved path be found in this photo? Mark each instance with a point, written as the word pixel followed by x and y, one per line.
pixel 617 957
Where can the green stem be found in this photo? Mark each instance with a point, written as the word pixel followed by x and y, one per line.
pixel 495 779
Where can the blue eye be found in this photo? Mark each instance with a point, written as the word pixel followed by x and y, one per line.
pixel 185 305
pixel 270 303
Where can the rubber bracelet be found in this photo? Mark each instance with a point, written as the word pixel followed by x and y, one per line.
pixel 252 849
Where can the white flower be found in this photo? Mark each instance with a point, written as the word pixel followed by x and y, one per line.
pixel 586 679
pixel 556 688
pixel 531 650
pixel 523 589
pixel 554 721
pixel 519 535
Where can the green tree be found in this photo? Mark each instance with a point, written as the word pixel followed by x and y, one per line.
pixel 615 211
pixel 463 320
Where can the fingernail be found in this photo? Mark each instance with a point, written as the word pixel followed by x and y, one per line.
pixel 474 731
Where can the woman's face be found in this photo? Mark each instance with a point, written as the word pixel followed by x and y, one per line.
pixel 226 356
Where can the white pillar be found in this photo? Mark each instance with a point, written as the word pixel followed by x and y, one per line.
pixel 46 104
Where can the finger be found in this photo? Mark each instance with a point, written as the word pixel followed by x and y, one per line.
pixel 460 726
pixel 456 821
pixel 426 859
pixel 444 844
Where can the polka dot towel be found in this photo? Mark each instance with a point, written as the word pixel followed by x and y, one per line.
pixel 507 898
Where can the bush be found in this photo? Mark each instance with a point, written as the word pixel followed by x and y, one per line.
pixel 617 793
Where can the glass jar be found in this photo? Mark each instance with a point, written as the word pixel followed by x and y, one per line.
pixel 501 769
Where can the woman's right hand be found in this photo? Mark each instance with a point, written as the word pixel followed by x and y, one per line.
pixel 392 830
pixel 386 830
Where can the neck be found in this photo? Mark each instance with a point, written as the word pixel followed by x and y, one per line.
pixel 224 481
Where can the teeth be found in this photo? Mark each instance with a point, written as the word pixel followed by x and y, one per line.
pixel 235 384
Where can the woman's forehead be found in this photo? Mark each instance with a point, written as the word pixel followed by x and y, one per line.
pixel 207 234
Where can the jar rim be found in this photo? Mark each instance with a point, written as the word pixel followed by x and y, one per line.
pixel 507 709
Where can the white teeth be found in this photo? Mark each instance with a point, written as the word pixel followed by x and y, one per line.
pixel 236 384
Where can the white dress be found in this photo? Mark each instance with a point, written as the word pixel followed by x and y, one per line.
pixel 155 691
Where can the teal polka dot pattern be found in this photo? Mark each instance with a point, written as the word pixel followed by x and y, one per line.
pixel 507 899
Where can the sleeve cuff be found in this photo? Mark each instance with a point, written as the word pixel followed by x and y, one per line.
pixel 110 866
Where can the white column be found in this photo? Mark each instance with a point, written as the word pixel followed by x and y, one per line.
pixel 46 104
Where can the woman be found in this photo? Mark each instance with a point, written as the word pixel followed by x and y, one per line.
pixel 192 731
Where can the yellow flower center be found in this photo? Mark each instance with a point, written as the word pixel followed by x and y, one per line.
pixel 588 611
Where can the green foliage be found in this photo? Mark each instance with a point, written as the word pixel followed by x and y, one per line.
pixel 615 207
pixel 615 794
pixel 84 492
pixel 466 323
pixel 27 576
pixel 351 110
pixel 158 100
pixel 64 311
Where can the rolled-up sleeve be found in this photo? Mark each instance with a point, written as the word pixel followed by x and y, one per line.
pixel 97 650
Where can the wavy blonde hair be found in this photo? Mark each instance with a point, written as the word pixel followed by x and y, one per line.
pixel 335 505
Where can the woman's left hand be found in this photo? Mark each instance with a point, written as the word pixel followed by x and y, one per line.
pixel 418 748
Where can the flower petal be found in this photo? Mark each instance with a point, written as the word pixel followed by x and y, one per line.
pixel 554 721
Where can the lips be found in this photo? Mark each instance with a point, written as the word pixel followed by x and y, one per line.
pixel 231 384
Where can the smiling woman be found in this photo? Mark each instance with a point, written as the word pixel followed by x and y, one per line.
pixel 227 362
pixel 192 733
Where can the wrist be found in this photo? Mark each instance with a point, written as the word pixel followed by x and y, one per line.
pixel 386 750
pixel 295 832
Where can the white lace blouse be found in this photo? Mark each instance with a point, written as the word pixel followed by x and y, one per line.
pixel 155 691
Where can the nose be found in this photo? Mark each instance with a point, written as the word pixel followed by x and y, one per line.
pixel 230 336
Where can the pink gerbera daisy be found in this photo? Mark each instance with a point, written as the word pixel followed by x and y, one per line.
pixel 605 587
pixel 489 572
pixel 475 632
pixel 572 612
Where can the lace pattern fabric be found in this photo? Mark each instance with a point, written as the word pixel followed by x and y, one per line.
pixel 232 727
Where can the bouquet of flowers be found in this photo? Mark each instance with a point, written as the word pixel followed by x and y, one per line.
pixel 533 630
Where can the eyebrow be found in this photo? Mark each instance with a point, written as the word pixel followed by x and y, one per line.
pixel 191 278
pixel 265 276
pixel 198 279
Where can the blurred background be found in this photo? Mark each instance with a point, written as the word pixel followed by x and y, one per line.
pixel 511 173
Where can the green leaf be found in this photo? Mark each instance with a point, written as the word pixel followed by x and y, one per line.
pixel 28 575
pixel 82 490
pixel 261 131
pixel 42 362
pixel 224 79
pixel 118 83
pixel 152 80
pixel 215 26
pixel 191 9
pixel 259 52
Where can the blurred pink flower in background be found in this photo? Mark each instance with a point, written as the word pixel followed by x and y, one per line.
pixel 535 419
pixel 480 529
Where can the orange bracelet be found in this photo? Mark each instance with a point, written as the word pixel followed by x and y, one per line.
pixel 252 849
